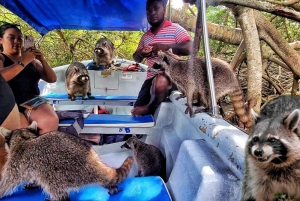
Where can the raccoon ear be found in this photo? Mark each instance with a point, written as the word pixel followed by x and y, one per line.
pixel 76 69
pixel 292 121
pixel 165 59
pixel 156 65
pixel 255 116
pixel 134 142
pixel 33 126
pixel 4 132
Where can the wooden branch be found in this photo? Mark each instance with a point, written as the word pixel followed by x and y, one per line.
pixel 272 8
pixel 61 35
pixel 279 45
pixel 295 45
pixel 278 89
pixel 240 60
pixel 284 3
pixel 279 62
pixel 295 85
pixel 237 54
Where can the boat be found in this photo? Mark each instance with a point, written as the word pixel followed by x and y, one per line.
pixel 204 154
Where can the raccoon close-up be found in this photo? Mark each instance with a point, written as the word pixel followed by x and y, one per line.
pixel 272 152
pixel 58 162
pixel 77 81
pixel 150 160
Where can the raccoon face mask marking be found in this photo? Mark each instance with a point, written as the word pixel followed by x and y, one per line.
pixel 267 148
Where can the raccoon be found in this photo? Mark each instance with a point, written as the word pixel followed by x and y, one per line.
pixel 272 152
pixel 150 160
pixel 56 161
pixel 78 81
pixel 104 52
pixel 190 76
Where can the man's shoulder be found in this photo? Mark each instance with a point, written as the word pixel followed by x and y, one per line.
pixel 174 24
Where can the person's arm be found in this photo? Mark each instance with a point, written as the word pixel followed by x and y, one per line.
pixel 182 49
pixel 46 72
pixel 145 52
pixel 13 70
pixel 137 58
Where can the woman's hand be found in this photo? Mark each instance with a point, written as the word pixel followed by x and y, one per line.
pixel 39 55
pixel 28 56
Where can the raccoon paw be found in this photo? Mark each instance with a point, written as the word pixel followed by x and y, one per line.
pixel 189 111
pixel 84 98
pixel 114 190
pixel 31 186
pixel 91 97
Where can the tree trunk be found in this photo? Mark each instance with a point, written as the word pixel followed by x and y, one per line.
pixel 246 20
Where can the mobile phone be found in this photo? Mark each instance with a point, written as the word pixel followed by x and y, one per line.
pixel 28 42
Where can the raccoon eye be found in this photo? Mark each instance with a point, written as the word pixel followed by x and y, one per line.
pixel 255 139
pixel 272 139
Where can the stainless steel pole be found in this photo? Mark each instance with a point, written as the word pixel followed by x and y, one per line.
pixel 170 4
pixel 201 5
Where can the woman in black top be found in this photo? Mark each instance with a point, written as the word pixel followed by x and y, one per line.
pixel 22 69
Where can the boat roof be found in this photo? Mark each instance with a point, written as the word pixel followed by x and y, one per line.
pixel 109 15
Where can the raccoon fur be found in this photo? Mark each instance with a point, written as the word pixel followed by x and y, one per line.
pixel 77 81
pixel 150 160
pixel 56 161
pixel 104 52
pixel 190 76
pixel 272 152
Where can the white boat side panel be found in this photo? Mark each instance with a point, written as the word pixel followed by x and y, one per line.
pixel 118 83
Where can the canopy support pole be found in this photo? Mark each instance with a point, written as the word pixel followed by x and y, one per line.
pixel 201 5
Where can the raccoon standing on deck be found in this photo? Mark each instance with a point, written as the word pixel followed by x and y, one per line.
pixel 272 152
pixel 57 161
pixel 104 52
pixel 78 81
pixel 150 160
pixel 190 76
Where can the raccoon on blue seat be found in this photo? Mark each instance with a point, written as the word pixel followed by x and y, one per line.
pixel 77 81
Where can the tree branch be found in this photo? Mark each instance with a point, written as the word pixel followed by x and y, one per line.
pixel 262 6
pixel 284 3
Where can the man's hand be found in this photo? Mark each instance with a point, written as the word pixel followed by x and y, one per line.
pixel 157 46
pixel 145 52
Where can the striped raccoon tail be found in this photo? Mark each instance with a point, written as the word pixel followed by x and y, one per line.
pixel 118 175
pixel 240 108
pixel 123 171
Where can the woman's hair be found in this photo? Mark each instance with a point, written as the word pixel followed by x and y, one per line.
pixel 4 26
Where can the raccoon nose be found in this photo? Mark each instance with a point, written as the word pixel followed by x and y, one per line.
pixel 258 152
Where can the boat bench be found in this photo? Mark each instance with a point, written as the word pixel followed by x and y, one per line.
pixel 114 100
pixel 203 172
pixel 133 189
pixel 114 124
pixel 105 123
